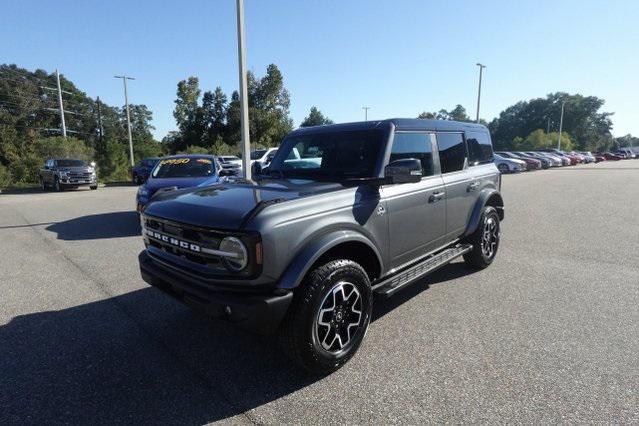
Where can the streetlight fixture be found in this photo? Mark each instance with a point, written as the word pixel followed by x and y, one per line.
pixel 128 117
pixel 561 124
pixel 481 71
pixel 365 108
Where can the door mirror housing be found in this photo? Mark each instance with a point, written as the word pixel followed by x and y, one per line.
pixel 256 168
pixel 224 172
pixel 406 170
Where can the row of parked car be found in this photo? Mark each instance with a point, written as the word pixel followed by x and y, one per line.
pixel 520 161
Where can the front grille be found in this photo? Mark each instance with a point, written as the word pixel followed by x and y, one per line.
pixel 184 241
pixel 75 177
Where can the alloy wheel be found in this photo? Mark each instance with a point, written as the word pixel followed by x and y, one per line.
pixel 339 318
pixel 490 237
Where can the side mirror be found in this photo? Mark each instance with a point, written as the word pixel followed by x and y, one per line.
pixel 224 172
pixel 256 168
pixel 406 170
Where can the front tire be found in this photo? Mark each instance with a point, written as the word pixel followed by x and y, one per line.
pixel 93 187
pixel 329 316
pixel 56 184
pixel 485 240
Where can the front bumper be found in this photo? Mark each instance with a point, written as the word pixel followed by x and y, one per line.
pixel 259 312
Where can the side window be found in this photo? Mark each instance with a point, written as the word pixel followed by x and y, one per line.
pixel 480 149
pixel 452 151
pixel 413 145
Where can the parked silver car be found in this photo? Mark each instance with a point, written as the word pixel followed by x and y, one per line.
pixel 509 165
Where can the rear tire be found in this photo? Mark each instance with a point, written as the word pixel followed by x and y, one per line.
pixel 328 317
pixel 485 240
pixel 502 168
pixel 43 185
pixel 93 187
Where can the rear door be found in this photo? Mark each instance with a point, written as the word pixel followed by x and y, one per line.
pixel 416 211
pixel 460 186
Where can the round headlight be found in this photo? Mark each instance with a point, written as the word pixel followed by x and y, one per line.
pixel 238 256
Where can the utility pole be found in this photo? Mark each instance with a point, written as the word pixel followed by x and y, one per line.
pixel 244 118
pixel 100 128
pixel 481 71
pixel 366 112
pixel 62 123
pixel 128 117
pixel 561 124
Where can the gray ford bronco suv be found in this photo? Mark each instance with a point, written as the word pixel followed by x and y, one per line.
pixel 360 210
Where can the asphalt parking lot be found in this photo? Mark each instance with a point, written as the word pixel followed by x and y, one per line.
pixel 549 333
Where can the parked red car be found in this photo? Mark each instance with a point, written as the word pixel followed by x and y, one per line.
pixel 610 156
pixel 599 157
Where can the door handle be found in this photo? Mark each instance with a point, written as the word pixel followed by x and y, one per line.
pixel 473 186
pixel 436 196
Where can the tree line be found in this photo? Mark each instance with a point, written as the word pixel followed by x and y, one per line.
pixel 209 121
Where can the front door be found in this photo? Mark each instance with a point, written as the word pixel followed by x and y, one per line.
pixel 416 211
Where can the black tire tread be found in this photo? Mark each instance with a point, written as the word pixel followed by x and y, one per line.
pixel 291 333
pixel 475 258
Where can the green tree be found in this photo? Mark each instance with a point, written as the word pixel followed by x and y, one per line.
pixel 456 114
pixel 582 120
pixel 188 114
pixel 315 118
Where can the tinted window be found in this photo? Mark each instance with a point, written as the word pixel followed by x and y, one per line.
pixel 184 167
pixel 330 155
pixel 452 151
pixel 71 163
pixel 256 155
pixel 413 145
pixel 480 150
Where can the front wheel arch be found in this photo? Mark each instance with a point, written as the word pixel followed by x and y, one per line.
pixel 347 244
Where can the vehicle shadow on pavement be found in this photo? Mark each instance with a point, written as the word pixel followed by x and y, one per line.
pixel 447 272
pixel 143 358
pixel 97 226
pixel 136 358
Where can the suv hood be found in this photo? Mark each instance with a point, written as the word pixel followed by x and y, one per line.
pixel 82 169
pixel 228 205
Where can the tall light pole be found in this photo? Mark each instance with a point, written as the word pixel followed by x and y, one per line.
pixel 62 123
pixel 366 112
pixel 128 117
pixel 561 124
pixel 244 117
pixel 481 72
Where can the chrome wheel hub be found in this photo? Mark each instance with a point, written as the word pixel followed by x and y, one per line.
pixel 490 237
pixel 339 317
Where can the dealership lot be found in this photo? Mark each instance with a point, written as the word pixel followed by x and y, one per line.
pixel 548 333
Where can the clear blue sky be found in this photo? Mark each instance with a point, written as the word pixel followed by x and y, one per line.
pixel 399 57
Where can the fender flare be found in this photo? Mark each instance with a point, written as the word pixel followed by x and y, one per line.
pixel 311 252
pixel 484 196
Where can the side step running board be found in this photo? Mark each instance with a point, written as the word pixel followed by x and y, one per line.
pixel 389 286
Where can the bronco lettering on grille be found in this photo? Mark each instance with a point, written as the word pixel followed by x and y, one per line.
pixel 172 240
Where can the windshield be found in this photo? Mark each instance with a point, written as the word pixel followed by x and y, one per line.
pixel 256 155
pixel 330 155
pixel 188 167
pixel 71 163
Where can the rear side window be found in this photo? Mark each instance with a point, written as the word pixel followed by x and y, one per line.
pixel 452 151
pixel 413 145
pixel 480 149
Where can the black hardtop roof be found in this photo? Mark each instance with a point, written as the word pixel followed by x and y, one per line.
pixel 399 123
